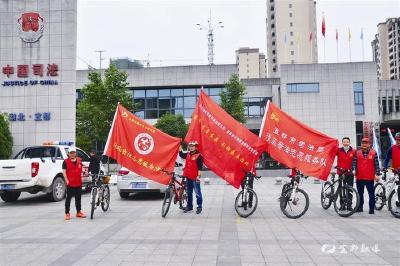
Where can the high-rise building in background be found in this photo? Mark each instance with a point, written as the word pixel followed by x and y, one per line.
pixel 291 33
pixel 251 63
pixel 386 49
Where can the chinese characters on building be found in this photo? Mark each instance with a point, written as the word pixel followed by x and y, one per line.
pixel 45 116
pixel 24 71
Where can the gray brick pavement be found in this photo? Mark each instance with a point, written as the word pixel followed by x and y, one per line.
pixel 33 232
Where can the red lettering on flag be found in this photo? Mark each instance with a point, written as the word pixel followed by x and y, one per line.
pixel 37 69
pixel 140 147
pixel 227 146
pixel 8 70
pixel 22 71
pixel 304 148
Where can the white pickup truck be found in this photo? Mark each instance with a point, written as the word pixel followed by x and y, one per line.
pixel 36 169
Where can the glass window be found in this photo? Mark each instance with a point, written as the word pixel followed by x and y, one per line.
pixel 178 111
pixel 151 103
pixel 139 93
pixel 177 102
pixel 254 111
pixel 177 92
pixel 164 93
pixel 140 114
pixel 358 88
pixel 216 98
pixel 164 103
pixel 151 93
pixel 188 113
pixel 215 91
pixel 302 87
pixel 189 102
pixel 20 154
pixel 189 91
pixel 140 103
pixel 163 111
pixel 82 155
pixel 151 114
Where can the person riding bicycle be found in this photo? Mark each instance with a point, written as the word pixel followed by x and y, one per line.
pixel 393 154
pixel 366 169
pixel 250 184
pixel 192 172
pixel 345 156
pixel 94 163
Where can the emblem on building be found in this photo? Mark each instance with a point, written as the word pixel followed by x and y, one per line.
pixel 31 27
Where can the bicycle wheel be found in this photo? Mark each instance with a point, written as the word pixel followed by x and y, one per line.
pixel 294 206
pixel 246 202
pixel 393 203
pixel 105 203
pixel 167 201
pixel 326 195
pixel 93 201
pixel 346 201
pixel 380 196
pixel 183 199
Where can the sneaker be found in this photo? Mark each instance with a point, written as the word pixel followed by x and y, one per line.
pixel 398 204
pixel 198 211
pixel 67 217
pixel 359 210
pixel 81 215
pixel 188 210
pixel 371 212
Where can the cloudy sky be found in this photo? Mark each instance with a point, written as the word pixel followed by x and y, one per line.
pixel 165 30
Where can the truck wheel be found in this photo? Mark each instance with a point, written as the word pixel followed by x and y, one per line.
pixel 124 195
pixel 58 190
pixel 8 196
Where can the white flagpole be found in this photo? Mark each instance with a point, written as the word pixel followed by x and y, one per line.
pixel 264 119
pixel 111 129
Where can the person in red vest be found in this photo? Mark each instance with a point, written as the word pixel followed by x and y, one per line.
pixel 72 171
pixel 393 154
pixel 345 156
pixel 366 167
pixel 192 172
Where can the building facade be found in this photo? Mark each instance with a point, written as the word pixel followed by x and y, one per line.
pixel 251 63
pixel 386 49
pixel 291 33
pixel 38 62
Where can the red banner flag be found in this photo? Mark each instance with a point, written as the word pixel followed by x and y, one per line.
pixel 297 145
pixel 140 147
pixel 228 147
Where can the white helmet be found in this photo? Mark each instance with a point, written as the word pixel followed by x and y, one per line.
pixel 193 143
pixel 71 149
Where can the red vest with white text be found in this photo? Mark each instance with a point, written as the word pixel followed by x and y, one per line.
pixel 365 166
pixel 74 172
pixel 191 170
pixel 396 156
pixel 345 159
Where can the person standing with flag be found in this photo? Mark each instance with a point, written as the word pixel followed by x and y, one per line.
pixel 345 156
pixel 366 170
pixel 192 172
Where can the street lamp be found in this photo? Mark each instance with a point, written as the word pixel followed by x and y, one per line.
pixel 210 36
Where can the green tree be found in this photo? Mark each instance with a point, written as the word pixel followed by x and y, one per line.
pixel 6 140
pixel 232 98
pixel 173 125
pixel 95 112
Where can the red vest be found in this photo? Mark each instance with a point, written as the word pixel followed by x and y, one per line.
pixel 191 170
pixel 365 166
pixel 396 156
pixel 345 159
pixel 74 172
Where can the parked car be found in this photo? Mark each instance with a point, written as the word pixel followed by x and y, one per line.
pixel 129 182
pixel 39 168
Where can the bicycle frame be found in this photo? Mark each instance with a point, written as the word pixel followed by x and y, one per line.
pixel 176 185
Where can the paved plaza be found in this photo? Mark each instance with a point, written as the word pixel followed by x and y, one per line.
pixel 33 232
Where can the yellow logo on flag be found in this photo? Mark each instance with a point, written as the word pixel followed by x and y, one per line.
pixel 275 117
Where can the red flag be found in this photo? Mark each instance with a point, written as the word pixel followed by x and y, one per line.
pixel 323 26
pixel 140 147
pixel 228 147
pixel 310 37
pixel 296 145
pixel 337 35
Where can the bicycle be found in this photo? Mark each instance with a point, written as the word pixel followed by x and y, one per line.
pixel 387 193
pixel 176 190
pixel 246 200
pixel 100 193
pixel 292 197
pixel 345 198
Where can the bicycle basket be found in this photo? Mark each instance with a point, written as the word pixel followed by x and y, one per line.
pixel 106 179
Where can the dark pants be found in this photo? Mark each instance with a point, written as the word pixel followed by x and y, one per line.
pixel 370 188
pixel 348 180
pixel 250 182
pixel 192 184
pixel 73 192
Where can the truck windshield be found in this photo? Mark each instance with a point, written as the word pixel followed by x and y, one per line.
pixel 40 152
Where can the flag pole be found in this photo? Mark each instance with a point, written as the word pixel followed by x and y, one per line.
pixel 362 43
pixel 111 129
pixel 264 119
pixel 324 51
